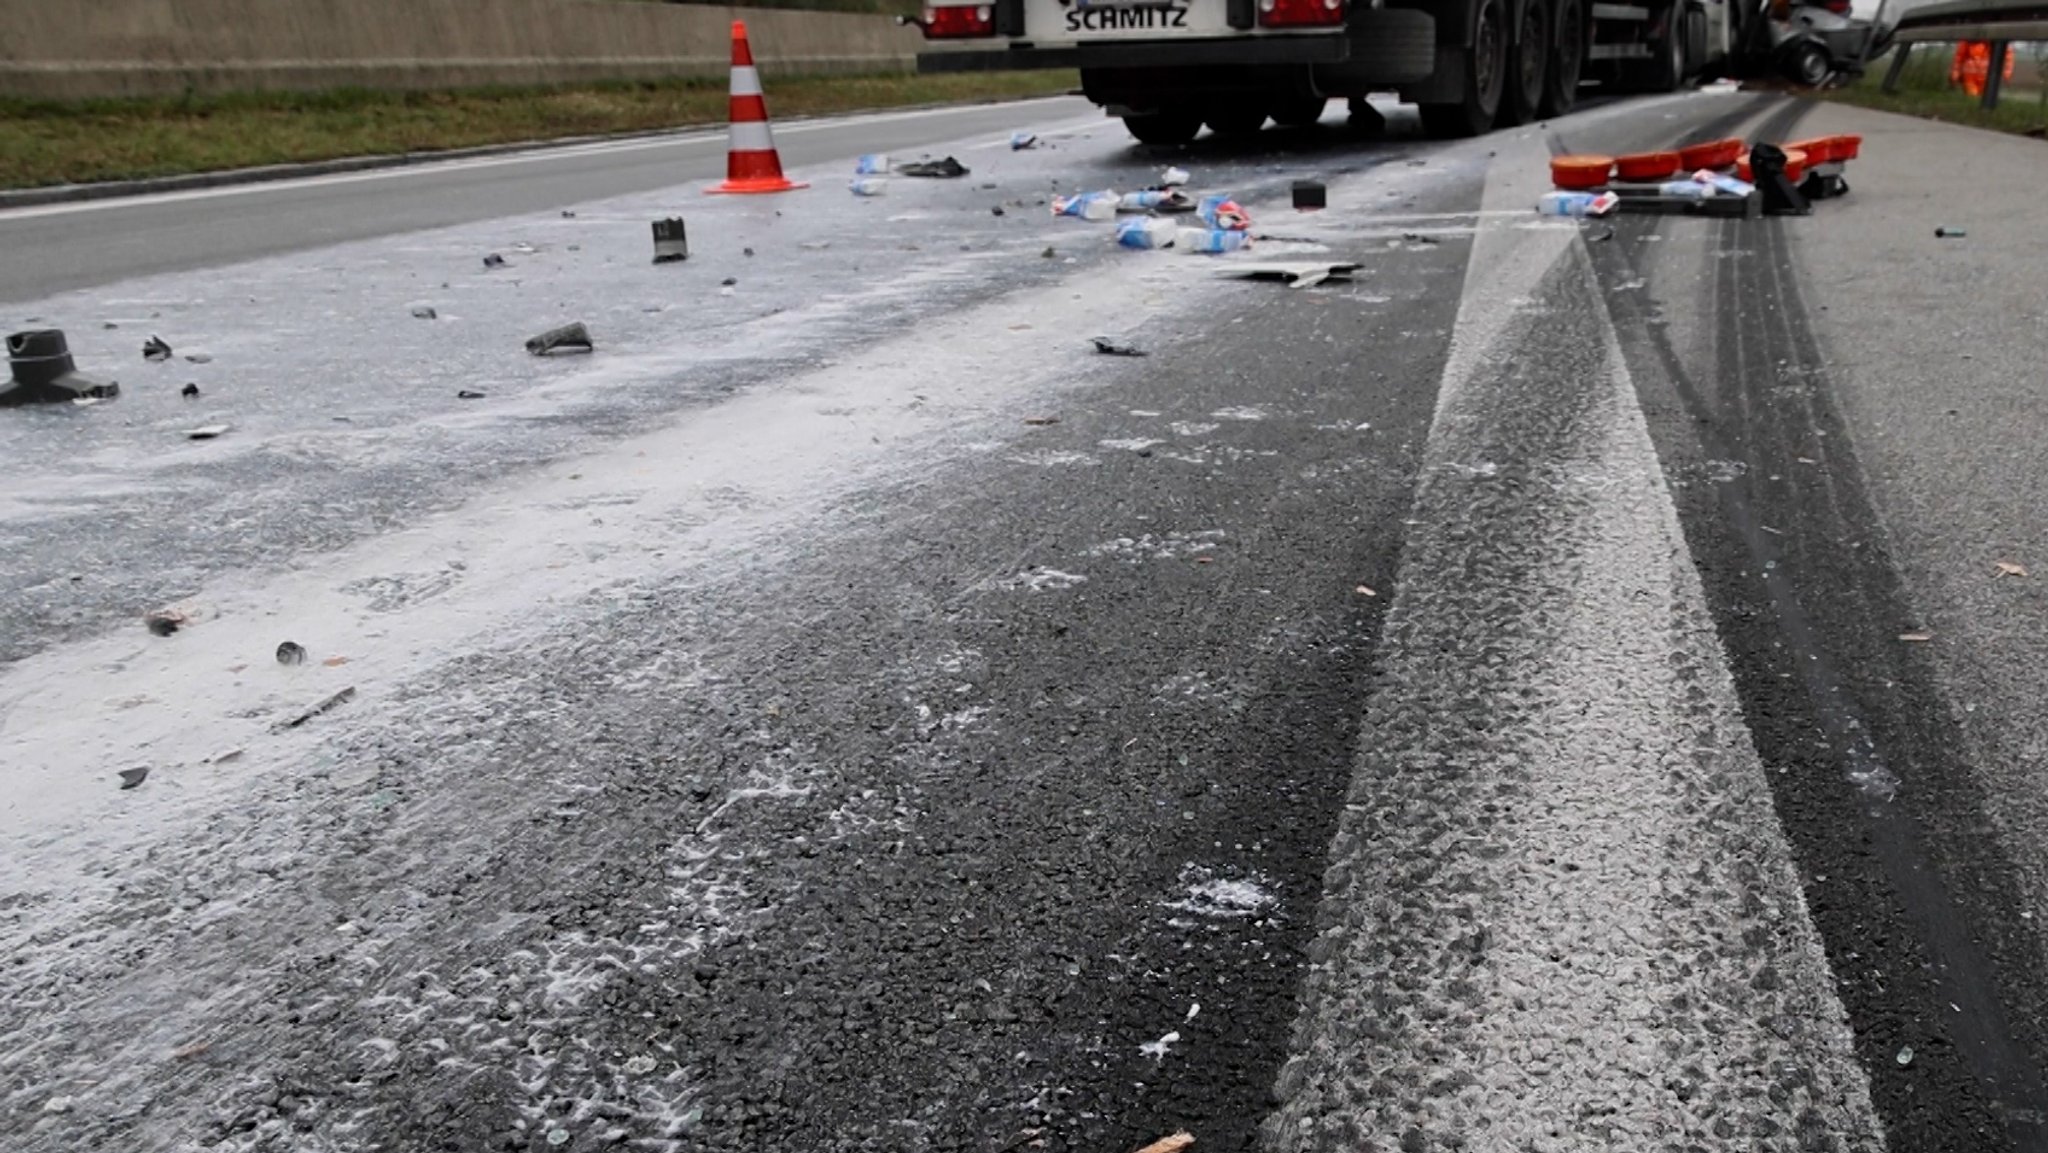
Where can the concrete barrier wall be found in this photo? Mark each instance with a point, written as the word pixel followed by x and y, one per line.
pixel 165 47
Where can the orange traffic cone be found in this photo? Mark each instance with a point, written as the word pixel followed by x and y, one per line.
pixel 751 162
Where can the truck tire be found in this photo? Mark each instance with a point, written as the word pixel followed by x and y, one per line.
pixel 1163 127
pixel 1236 119
pixel 1299 111
pixel 1666 70
pixel 1528 61
pixel 1485 76
pixel 1567 59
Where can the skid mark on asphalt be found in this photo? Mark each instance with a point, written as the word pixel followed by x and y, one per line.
pixel 1886 812
pixel 1560 909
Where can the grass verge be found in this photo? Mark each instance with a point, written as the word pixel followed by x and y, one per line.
pixel 1924 92
pixel 61 143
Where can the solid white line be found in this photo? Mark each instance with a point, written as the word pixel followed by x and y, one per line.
pixel 710 135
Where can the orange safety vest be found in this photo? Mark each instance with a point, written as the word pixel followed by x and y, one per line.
pixel 1972 66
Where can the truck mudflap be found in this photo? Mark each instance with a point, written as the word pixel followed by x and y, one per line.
pixel 1376 38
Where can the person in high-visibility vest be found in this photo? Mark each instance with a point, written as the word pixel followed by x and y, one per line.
pixel 1972 66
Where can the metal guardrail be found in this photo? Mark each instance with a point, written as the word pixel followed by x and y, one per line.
pixel 2000 22
pixel 2012 20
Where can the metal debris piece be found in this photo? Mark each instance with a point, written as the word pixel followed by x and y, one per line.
pixel 568 338
pixel 494 261
pixel 1108 347
pixel 291 653
pixel 155 350
pixel 424 312
pixel 1041 420
pixel 1949 233
pixel 468 394
pixel 133 777
pixel 190 391
pixel 1310 195
pixel 340 698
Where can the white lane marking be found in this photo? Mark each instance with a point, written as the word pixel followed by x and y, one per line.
pixel 710 135
pixel 1561 910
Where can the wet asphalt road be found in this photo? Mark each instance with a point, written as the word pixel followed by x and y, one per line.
pixel 846 713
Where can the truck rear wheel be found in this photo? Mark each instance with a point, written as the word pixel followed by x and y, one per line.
pixel 1163 127
pixel 1528 63
pixel 1299 111
pixel 1236 120
pixel 1485 76
pixel 1666 69
pixel 1567 60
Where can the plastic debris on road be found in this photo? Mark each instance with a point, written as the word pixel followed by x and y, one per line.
pixel 2008 568
pixel 1147 232
pixel 41 371
pixel 493 260
pixel 568 338
pixel 1209 242
pixel 1905 1057
pixel 1310 195
pixel 873 164
pixel 468 394
pixel 1174 178
pixel 1223 214
pixel 207 431
pixel 155 350
pixel 190 391
pixel 1171 1143
pixel 1301 275
pixel 671 240
pixel 424 312
pixel 1087 205
pixel 1577 204
pixel 1019 141
pixel 291 653
pixel 1169 201
pixel 165 622
pixel 1946 233
pixel 868 185
pixel 944 169
pixel 1157 1050
pixel 133 777
pixel 1108 347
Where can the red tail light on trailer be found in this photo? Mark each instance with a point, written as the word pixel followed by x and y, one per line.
pixel 959 21
pixel 1300 13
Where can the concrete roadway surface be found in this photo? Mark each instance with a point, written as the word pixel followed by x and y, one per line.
pixel 1470 708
